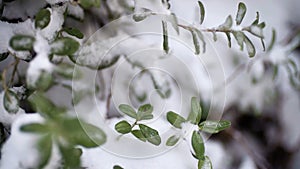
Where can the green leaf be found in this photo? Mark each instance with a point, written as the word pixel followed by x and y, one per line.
pixel 214 126
pixel 82 133
pixel 42 18
pixel 196 42
pixel 239 37
pixel 196 112
pixel 214 36
pixel 74 32
pixel 229 39
pixel 3 56
pixel 44 106
pixel 227 24
pixel 175 119
pixel 204 163
pixel 172 140
pixel 35 128
pixel 89 3
pixel 128 110
pixel 151 134
pixel 21 42
pixel 145 112
pixel 43 83
pixel 270 47
pixel 68 71
pixel 64 46
pixel 11 101
pixel 142 14
pixel 45 150
pixel 275 72
pixel 70 156
pixel 198 145
pixel 138 134
pixel 201 37
pixel 123 127
pixel 242 9
pixel 117 167
pixel 165 37
pixel 202 11
pixel 250 47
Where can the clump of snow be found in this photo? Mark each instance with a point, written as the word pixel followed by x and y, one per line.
pixel 56 22
pixel 41 62
pixel 7 118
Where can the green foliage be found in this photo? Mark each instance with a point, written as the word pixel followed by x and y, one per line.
pixel 175 119
pixel 89 3
pixel 42 18
pixel 202 11
pixel 64 46
pixel 144 133
pixel 214 126
pixel 21 42
pixel 117 167
pixel 74 32
pixel 66 132
pixel 198 145
pixel 172 140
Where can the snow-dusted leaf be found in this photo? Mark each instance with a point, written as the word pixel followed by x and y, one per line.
pixel 128 110
pixel 138 134
pixel 123 127
pixel 175 119
pixel 42 18
pixel 74 32
pixel 242 9
pixel 151 134
pixel 198 145
pixel 215 38
pixel 75 11
pixel 229 39
pixel 201 37
pixel 45 150
pixel 11 101
pixel 250 47
pixel 196 112
pixel 196 42
pixel 214 126
pixel 68 71
pixel 202 11
pixel 89 3
pixel 256 31
pixel 64 46
pixel 227 24
pixel 172 140
pixel 204 163
pixel 174 22
pixel 145 112
pixel 239 37
pixel 142 14
pixel 165 37
pixel 21 42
